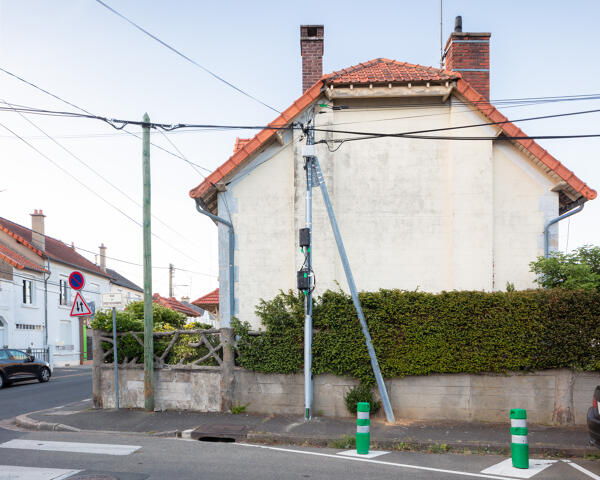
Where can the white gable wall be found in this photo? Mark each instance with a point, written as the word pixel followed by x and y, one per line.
pixel 433 215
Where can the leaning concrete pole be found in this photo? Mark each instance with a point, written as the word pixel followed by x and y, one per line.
pixel 148 319
pixel 389 414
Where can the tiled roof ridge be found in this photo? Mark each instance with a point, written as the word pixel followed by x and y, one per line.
pixel 360 66
pixel 19 238
pixel 18 261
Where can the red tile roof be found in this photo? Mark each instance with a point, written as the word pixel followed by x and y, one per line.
pixel 55 249
pixel 174 304
pixel 207 300
pixel 239 143
pixel 384 71
pixel 18 261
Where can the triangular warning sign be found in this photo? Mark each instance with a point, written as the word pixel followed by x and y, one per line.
pixel 80 308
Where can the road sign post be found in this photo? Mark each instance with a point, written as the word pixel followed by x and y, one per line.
pixel 76 280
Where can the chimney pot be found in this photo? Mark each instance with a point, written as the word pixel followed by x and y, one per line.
pixel 311 50
pixel 102 249
pixel 38 237
pixel 469 54
pixel 458 24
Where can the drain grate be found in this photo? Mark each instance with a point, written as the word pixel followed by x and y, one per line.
pixel 220 433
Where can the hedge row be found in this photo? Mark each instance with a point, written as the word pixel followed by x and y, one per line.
pixel 418 333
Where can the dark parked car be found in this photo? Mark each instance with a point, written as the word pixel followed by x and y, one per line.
pixel 16 365
pixel 593 419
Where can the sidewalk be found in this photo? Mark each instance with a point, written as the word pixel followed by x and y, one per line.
pixel 438 437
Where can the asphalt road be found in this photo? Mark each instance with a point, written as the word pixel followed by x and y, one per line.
pixel 160 458
pixel 66 385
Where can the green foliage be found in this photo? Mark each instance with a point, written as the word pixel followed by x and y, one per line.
pixel 165 319
pixel 361 393
pixel 237 409
pixel 417 333
pixel 579 269
pixel 344 442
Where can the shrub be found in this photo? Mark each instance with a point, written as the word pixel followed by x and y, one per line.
pixel 361 393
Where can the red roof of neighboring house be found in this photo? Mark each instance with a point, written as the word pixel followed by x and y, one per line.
pixel 384 71
pixel 174 304
pixel 55 249
pixel 209 299
pixel 18 261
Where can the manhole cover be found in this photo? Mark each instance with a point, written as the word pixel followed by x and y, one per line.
pixel 236 432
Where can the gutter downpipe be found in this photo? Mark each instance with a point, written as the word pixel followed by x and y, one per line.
pixel 225 322
pixel 556 220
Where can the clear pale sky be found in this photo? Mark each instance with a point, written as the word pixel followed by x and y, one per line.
pixel 82 52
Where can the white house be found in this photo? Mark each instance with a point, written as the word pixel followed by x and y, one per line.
pixel 35 297
pixel 431 214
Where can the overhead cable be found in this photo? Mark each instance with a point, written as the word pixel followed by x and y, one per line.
pixel 174 50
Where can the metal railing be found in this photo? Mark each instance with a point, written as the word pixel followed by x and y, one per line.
pixel 42 354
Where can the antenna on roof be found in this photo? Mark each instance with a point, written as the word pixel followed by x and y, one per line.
pixel 441 39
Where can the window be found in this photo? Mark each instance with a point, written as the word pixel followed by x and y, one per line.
pixel 27 326
pixel 27 292
pixel 62 292
pixel 18 355
pixel 65 332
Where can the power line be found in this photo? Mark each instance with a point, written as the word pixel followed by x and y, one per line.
pixel 89 167
pixel 174 50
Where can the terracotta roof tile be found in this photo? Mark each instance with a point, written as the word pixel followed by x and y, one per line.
pixel 209 299
pixel 18 261
pixel 383 70
pixel 55 249
pixel 174 304
pixel 240 143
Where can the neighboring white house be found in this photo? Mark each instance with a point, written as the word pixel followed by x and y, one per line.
pixel 414 213
pixel 35 297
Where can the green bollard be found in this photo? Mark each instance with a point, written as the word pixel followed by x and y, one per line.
pixel 363 435
pixel 519 447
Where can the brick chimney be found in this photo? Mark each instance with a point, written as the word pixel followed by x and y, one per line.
pixel 38 237
pixel 311 49
pixel 102 249
pixel 469 54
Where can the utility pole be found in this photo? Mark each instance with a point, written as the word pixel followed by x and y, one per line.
pixel 314 177
pixel 148 317
pixel 305 275
pixel 171 272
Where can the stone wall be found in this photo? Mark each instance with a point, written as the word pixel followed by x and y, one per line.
pixel 550 397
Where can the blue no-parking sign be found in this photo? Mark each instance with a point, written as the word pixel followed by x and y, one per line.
pixel 76 280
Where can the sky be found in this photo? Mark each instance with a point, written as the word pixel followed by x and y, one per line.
pixel 83 53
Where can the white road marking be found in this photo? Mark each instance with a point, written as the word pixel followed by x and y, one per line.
pixel 378 462
pixel 353 453
pixel 75 447
pixel 505 468
pixel 582 470
pixel 10 472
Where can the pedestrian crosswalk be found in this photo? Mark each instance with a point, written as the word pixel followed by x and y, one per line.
pixel 10 472
pixel 73 447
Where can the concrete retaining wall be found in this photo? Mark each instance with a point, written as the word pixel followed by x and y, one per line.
pixel 557 397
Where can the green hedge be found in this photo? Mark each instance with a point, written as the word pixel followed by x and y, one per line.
pixel 418 333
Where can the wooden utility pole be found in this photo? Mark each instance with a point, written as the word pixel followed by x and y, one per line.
pixel 148 318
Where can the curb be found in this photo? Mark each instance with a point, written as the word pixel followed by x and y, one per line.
pixel 25 422
pixel 266 438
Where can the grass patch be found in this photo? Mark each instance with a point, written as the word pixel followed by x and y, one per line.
pixel 344 442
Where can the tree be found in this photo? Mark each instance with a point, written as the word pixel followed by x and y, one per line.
pixel 132 318
pixel 579 269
